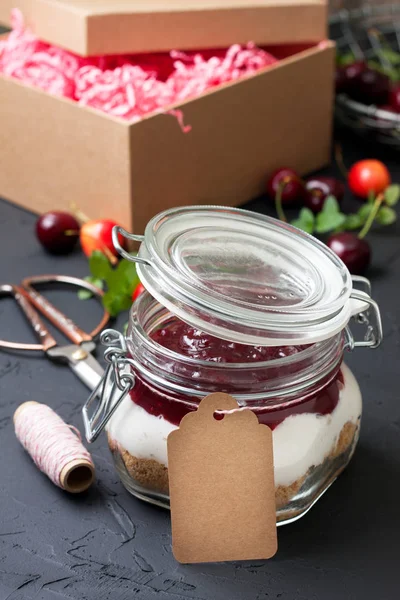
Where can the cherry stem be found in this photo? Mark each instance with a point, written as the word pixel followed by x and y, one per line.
pixel 371 217
pixel 76 211
pixel 339 160
pixel 278 199
pixel 112 259
pixel 70 232
pixel 378 35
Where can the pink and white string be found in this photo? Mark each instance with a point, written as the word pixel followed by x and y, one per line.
pixel 50 442
pixel 128 87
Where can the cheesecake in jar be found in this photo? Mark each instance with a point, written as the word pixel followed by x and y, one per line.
pixel 243 304
pixel 315 430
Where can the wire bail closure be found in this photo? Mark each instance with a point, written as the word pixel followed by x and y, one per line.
pixel 118 232
pixel 370 318
pixel 116 382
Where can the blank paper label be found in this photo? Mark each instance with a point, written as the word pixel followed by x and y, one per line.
pixel 221 479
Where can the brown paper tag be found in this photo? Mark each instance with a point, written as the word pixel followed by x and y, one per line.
pixel 221 481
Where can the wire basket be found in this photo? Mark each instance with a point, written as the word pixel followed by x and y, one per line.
pixel 362 32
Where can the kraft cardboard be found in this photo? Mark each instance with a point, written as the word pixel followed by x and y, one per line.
pixel 53 151
pixel 89 27
pixel 221 482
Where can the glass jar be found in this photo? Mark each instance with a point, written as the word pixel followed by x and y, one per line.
pixel 251 317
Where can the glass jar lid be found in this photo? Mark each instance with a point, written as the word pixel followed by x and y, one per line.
pixel 245 277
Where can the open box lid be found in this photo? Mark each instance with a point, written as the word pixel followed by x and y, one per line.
pixel 98 27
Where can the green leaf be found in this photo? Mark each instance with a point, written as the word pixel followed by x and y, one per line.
pixel 365 211
pixel 392 194
pixel 331 205
pixel 305 220
pixel 330 217
pixel 111 303
pixel 390 72
pixel 86 294
pixel 98 283
pixel 326 221
pixel 123 279
pixel 386 216
pixel 126 272
pixel 120 282
pixel 116 284
pixel 371 197
pixel 99 265
pixel 390 55
pixel 116 303
pixel 345 59
pixel 353 221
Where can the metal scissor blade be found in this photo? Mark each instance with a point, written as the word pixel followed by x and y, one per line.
pixel 81 362
pixel 89 371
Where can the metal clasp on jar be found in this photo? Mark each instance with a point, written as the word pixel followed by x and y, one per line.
pixel 118 232
pixel 370 317
pixel 116 382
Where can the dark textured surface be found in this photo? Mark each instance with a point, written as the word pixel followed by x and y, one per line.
pixel 106 544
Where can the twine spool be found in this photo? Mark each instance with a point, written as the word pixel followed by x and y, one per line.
pixel 54 446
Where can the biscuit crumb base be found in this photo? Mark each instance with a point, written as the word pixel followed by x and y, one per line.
pixel 152 475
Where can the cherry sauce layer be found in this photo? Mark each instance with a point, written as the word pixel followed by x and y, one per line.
pixel 189 342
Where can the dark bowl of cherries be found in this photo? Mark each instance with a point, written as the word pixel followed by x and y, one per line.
pixel 367 79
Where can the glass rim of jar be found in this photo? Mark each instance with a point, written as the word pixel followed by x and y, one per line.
pixel 277 362
pixel 138 337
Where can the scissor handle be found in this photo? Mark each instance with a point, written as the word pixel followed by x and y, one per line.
pixel 37 324
pixel 28 298
pixel 55 316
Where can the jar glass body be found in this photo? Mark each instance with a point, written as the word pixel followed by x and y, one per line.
pixel 306 395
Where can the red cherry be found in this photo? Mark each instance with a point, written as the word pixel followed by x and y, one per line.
pixel 317 190
pixel 350 73
pixel 57 231
pixel 97 235
pixel 354 252
pixel 368 175
pixel 394 98
pixel 340 80
pixel 345 76
pixel 294 188
pixel 137 291
pixel 370 87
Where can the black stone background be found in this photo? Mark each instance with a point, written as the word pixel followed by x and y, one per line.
pixel 104 544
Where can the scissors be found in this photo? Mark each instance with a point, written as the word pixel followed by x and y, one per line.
pixel 78 354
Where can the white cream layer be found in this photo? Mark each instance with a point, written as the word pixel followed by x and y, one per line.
pixel 300 441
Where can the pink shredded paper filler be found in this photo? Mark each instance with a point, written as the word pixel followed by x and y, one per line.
pixel 129 87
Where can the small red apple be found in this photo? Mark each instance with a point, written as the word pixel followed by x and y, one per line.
pixel 97 235
pixel 137 291
pixel 368 175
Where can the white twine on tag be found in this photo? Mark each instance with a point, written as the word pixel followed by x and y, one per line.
pixel 235 410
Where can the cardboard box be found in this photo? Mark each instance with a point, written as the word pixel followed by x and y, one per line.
pixel 54 151
pixel 93 27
